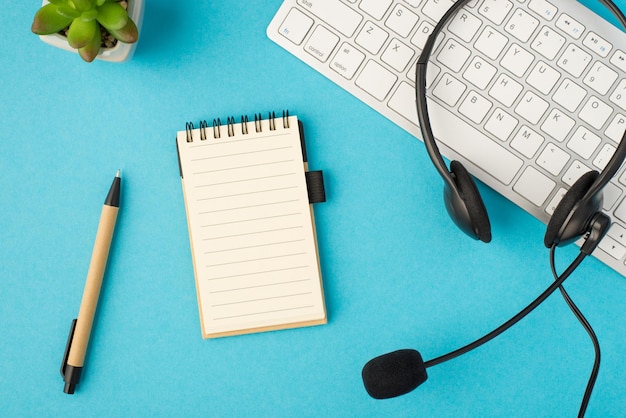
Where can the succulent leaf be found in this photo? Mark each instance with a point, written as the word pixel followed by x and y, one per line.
pixel 58 2
pixel 81 32
pixel 67 11
pixel 91 50
pixel 128 33
pixel 89 15
pixel 112 16
pixel 48 20
pixel 100 2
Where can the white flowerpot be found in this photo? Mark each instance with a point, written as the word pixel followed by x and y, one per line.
pixel 121 51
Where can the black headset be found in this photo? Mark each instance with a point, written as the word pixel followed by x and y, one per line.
pixel 578 214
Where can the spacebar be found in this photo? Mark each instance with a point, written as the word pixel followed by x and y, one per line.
pixel 472 144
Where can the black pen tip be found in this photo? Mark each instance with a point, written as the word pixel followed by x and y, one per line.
pixel 113 198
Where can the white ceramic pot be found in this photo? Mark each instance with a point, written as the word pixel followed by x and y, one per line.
pixel 121 51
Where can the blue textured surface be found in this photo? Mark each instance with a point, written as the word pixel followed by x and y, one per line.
pixel 396 272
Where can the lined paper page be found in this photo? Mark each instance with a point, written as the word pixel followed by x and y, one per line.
pixel 251 229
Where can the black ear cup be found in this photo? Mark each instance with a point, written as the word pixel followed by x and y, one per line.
pixel 465 205
pixel 565 226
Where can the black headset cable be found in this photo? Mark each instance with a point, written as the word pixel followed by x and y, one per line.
pixel 592 335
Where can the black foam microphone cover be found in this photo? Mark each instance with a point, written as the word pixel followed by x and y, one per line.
pixel 394 374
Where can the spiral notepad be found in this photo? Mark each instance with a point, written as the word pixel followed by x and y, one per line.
pixel 248 196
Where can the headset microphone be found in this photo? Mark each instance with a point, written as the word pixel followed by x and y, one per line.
pixel 394 374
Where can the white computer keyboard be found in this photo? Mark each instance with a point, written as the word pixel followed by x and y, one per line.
pixel 528 94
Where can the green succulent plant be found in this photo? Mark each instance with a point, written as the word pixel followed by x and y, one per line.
pixel 82 19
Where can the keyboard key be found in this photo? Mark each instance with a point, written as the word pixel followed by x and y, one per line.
pixel 453 55
pixel 295 26
pixel 622 178
pixel 548 43
pixel 495 10
pixel 558 125
pixel 449 89
pixel 413 3
pixel 334 13
pixel 376 80
pixel 431 74
pixel 616 128
pixel 403 102
pixel 480 72
pixel 321 43
pixel 574 172
pixel 534 186
pixel 347 60
pixel 401 20
pixel 619 60
pixel 422 34
pixel 517 60
pixel 521 25
pixel 553 159
pixel 531 107
pixel 543 77
pixel 611 193
pixel 543 8
pixel 604 156
pixel 371 38
pixel 464 25
pixel 597 44
pixel 569 95
pixel 435 9
pixel 600 78
pixel 397 55
pixel 551 207
pixel 619 95
pixel 505 90
pixel 475 107
pixel 527 141
pixel 375 8
pixel 612 248
pixel 620 211
pixel 574 60
pixel 617 232
pixel 584 142
pixel 595 112
pixel 491 42
pixel 501 124
pixel 570 26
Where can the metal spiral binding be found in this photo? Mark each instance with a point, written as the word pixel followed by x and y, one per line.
pixel 272 120
pixel 217 124
pixel 244 125
pixel 286 119
pixel 230 126
pixel 203 127
pixel 257 122
pixel 188 131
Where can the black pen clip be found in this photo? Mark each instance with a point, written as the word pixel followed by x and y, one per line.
pixel 71 374
pixel 67 348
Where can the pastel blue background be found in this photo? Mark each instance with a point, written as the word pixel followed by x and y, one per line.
pixel 397 273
